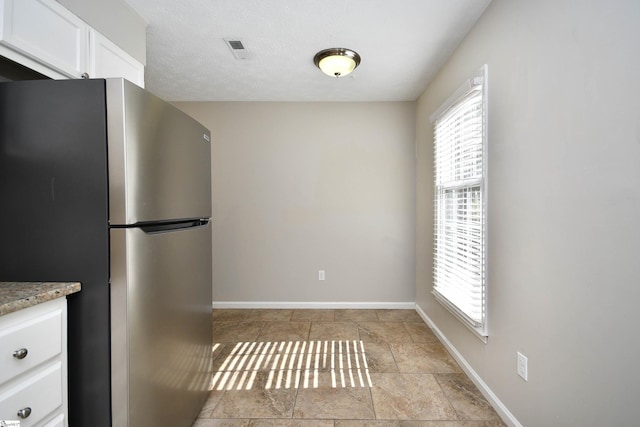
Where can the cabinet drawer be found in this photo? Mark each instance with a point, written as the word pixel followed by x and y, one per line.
pixel 58 421
pixel 42 392
pixel 41 336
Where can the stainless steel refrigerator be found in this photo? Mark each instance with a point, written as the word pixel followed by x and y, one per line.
pixel 102 182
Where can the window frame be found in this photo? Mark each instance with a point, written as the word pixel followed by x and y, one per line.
pixel 478 326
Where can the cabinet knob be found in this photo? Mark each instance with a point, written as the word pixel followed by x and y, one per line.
pixel 24 413
pixel 85 75
pixel 20 354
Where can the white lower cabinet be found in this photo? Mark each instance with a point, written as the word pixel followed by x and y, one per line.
pixel 33 365
pixel 58 421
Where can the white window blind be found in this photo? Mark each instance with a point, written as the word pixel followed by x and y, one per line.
pixel 460 203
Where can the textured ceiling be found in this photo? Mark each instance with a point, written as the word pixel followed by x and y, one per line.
pixel 403 43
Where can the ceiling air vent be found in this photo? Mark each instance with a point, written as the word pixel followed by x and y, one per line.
pixel 237 48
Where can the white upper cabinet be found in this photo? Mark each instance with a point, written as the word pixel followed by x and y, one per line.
pixel 46 37
pixel 108 60
pixel 47 33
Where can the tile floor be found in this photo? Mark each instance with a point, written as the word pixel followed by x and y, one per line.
pixel 391 371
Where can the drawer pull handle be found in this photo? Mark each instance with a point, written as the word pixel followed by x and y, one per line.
pixel 24 413
pixel 20 354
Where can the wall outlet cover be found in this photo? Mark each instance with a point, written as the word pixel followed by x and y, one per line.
pixel 522 368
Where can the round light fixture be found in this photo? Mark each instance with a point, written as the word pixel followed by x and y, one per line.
pixel 337 61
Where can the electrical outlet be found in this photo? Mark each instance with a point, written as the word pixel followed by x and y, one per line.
pixel 320 274
pixel 522 366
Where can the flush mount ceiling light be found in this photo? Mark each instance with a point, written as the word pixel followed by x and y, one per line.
pixel 337 61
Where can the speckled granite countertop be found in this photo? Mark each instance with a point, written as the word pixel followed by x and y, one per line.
pixel 15 296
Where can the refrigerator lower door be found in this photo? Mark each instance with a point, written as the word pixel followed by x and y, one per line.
pixel 161 329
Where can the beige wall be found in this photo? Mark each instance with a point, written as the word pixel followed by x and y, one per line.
pixel 564 204
pixel 302 187
pixel 116 20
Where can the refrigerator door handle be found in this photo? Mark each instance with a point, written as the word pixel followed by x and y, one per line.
pixel 173 226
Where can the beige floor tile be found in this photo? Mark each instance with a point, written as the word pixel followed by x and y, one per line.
pixel 217 349
pixel 277 356
pixel 272 315
pixel 210 404
pixel 222 351
pixel 207 422
pixel 380 358
pixel 414 381
pixel 257 402
pixel 333 403
pixel 232 314
pixel 235 358
pixel 237 370
pixel 398 316
pixel 420 332
pixel 234 381
pixel 409 397
pixel 466 399
pixel 355 315
pixel 336 331
pixel 423 358
pixel 313 315
pixel 290 423
pixel 244 315
pixel 285 331
pixel 366 423
pixel 383 332
pixel 318 378
pixel 451 424
pixel 234 331
pixel 333 354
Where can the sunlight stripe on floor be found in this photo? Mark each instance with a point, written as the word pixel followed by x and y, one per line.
pixel 293 364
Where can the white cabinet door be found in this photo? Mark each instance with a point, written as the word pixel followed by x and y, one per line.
pixel 107 60
pixel 47 34
pixel 33 365
pixel 58 421
pixel 40 394
pixel 39 337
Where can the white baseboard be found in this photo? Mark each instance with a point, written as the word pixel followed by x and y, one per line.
pixel 314 305
pixel 497 404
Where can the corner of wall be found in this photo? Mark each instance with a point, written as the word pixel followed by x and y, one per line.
pixel 497 404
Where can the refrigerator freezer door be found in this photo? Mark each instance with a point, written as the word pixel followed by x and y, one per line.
pixel 161 331
pixel 159 159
